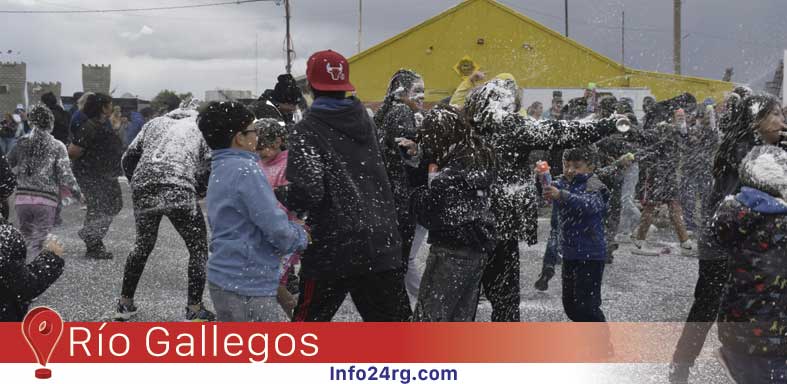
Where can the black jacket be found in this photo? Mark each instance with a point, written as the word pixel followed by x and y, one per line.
pixel 456 207
pixel 7 186
pixel 20 282
pixel 659 162
pixel 103 150
pixel 336 173
pixel 398 122
pixel 728 183
pixel 62 129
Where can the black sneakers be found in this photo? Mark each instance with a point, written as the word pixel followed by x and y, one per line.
pixel 542 284
pixel 679 373
pixel 200 315
pixel 124 312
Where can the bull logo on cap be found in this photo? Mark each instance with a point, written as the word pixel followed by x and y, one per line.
pixel 337 73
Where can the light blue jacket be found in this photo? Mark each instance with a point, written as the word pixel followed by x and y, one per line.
pixel 250 233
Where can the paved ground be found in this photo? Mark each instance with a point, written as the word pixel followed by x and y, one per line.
pixel 636 288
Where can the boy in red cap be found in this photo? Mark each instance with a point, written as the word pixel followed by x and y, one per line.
pixel 337 178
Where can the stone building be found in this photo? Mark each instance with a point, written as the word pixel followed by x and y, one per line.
pixel 36 89
pixel 13 77
pixel 96 78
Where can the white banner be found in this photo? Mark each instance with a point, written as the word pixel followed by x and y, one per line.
pixel 336 373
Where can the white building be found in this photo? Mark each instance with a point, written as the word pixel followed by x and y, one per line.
pixel 227 95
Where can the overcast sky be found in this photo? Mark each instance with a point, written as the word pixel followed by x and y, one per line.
pixel 208 48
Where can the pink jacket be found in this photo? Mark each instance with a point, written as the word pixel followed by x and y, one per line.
pixel 275 170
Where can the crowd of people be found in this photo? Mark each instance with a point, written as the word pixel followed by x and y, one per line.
pixel 307 204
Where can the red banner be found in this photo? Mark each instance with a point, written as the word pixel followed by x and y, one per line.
pixel 351 342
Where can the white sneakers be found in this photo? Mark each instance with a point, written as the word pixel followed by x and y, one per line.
pixel 688 245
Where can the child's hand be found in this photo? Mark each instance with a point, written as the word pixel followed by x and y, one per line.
pixel 286 300
pixel 411 146
pixel 626 160
pixel 551 193
pixel 53 245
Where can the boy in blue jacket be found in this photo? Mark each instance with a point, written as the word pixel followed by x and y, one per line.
pixel 581 201
pixel 250 233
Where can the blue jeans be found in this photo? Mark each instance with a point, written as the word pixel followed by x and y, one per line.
pixel 7 144
pixel 749 369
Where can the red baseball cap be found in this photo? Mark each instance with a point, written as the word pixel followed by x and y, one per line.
pixel 329 71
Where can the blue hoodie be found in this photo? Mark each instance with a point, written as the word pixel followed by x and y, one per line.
pixel 250 233
pixel 581 209
pixel 136 121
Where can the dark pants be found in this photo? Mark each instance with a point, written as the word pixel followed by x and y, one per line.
pixel 582 290
pixel 612 220
pixel 379 297
pixel 696 188
pixel 190 225
pixel 104 201
pixel 501 281
pixel 713 275
pixel 450 284
pixel 748 369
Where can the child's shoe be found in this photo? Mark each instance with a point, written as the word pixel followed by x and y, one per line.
pixel 124 312
pixel 200 315
pixel 542 284
pixel 679 373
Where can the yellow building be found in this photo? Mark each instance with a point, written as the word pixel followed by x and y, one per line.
pixel 487 35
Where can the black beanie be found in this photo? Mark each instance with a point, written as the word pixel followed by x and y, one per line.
pixel 49 99
pixel 286 90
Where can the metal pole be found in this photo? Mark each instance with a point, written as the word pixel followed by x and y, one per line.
pixel 256 64
pixel 360 24
pixel 677 36
pixel 289 39
pixel 623 39
pixel 566 8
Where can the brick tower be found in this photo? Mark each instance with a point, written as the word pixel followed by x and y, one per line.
pixel 96 78
pixel 13 77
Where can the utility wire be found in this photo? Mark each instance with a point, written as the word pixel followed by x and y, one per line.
pixel 236 2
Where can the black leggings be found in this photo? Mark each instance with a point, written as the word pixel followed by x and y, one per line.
pixel 104 201
pixel 713 275
pixel 501 281
pixel 190 225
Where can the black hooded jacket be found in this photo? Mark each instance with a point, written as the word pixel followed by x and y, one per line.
pixel 337 175
pixel 456 206
pixel 62 129
pixel 20 282
pixel 398 122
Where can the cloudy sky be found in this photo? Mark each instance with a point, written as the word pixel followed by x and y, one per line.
pixel 208 48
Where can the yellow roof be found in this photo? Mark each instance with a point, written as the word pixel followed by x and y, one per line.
pixel 616 75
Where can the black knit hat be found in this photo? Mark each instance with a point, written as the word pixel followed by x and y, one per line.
pixel 286 90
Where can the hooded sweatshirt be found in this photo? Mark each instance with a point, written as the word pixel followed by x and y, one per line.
pixel 752 225
pixel 491 110
pixel 169 153
pixel 250 234
pixel 42 166
pixel 336 173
